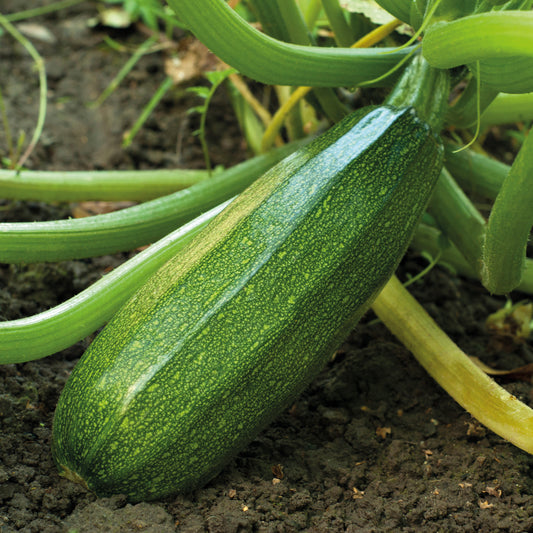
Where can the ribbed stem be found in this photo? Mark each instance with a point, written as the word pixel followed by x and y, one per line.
pixel 483 36
pixel 474 172
pixel 273 62
pixel 429 239
pixel 31 338
pixel 338 23
pixel 508 109
pixel 108 185
pixel 28 242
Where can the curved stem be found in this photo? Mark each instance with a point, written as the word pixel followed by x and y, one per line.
pixel 31 338
pixel 273 62
pixel 294 19
pixel 429 239
pixel 474 172
pixel 481 396
pixel 27 242
pixel 39 64
pixel 283 20
pixel 107 185
pixel 508 109
pixel 483 36
pixel 275 125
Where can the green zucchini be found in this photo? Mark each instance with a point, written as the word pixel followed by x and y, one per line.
pixel 224 336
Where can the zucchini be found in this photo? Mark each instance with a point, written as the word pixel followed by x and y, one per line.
pixel 226 334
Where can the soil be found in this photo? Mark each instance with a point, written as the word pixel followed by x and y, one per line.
pixel 373 445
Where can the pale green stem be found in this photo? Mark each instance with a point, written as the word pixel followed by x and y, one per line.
pixel 39 64
pixel 312 12
pixel 483 36
pixel 464 114
pixel 429 240
pixel 31 338
pixel 452 369
pixel 163 88
pixel 124 71
pixel 106 185
pixel 475 172
pixel 508 109
pixel 273 62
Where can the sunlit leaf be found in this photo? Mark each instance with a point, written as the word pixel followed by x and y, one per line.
pixel 369 9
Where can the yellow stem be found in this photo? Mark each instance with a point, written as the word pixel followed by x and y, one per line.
pixel 377 35
pixel 254 103
pixel 279 117
pixel 480 395
pixel 272 130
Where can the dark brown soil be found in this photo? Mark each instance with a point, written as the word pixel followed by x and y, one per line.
pixel 374 445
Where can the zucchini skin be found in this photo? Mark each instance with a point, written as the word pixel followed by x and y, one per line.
pixel 224 336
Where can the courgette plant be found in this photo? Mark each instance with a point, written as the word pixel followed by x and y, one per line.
pixel 485 48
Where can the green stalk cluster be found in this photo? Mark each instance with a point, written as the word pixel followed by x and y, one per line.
pixel 132 227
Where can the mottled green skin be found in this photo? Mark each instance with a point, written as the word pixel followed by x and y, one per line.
pixel 228 333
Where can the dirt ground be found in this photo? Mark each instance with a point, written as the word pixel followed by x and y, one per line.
pixel 373 445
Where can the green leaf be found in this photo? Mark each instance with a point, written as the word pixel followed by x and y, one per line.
pixel 201 91
pixel 197 109
pixel 369 9
pixel 216 77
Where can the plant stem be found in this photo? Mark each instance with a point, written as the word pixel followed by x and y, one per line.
pixel 429 239
pixel 124 71
pixel 463 114
pixel 509 225
pixel 31 338
pixel 508 109
pixel 39 64
pixel 107 185
pixel 293 18
pixel 312 12
pixel 481 396
pixel 58 240
pixel 460 221
pixel 7 129
pixel 163 88
pixel 338 23
pixel 275 125
pixel 276 63
pixel 474 172
pixel 251 126
pixel 272 21
pixel 475 37
pixel 283 20
pixel 240 85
